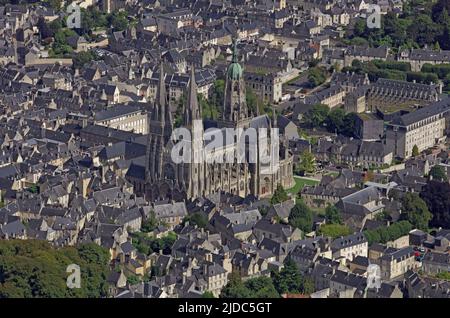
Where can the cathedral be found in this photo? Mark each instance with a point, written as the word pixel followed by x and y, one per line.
pixel 162 178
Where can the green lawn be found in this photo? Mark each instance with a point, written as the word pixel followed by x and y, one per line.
pixel 300 183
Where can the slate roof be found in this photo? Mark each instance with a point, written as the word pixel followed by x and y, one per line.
pixel 438 108
pixel 170 210
pixel 117 111
pixel 348 241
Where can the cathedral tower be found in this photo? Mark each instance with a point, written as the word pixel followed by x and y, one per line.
pixel 159 135
pixel 194 172
pixel 235 111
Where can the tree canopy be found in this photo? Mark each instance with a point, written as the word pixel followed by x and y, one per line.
pixel 438 173
pixel 333 215
pixel 317 76
pixel 301 217
pixel 385 234
pixel 35 269
pixel 416 211
pixel 197 218
pixel 307 163
pixel 260 287
pixel 422 23
pixel 291 280
pixel 316 116
pixel 279 196
pixel 150 223
pixel 437 197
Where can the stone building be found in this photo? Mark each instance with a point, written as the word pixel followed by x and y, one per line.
pixel 423 128
pixel 386 92
pixel 213 168
pixel 418 57
pixel 123 117
pixel 267 86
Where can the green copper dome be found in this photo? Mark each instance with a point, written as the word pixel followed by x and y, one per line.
pixel 234 71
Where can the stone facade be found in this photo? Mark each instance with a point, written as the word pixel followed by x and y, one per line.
pixel 423 128
pixel 165 179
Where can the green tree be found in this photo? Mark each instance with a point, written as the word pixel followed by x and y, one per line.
pixel 218 93
pixel 209 109
pixel 360 27
pixel 119 20
pixel 444 276
pixel 147 245
pixel 208 294
pixel 289 279
pixel 92 19
pixel 437 197
pixel 198 219
pixel 34 188
pixel 178 120
pixel 252 100
pixel 415 151
pixel 387 233
pixel 261 287
pixel 301 217
pixel 133 279
pixel 150 223
pixel 279 196
pixel 82 58
pixel 36 269
pixel 349 126
pixel 438 173
pixel 307 163
pixel 317 76
pixel 317 115
pixel 235 288
pixel 335 120
pixel 333 215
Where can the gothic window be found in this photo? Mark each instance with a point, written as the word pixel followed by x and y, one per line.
pixel 266 186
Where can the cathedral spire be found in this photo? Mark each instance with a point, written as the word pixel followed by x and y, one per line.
pixel 160 132
pixel 161 92
pixel 192 109
pixel 234 59
pixel 161 111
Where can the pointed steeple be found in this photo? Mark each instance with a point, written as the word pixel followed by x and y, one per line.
pixel 192 109
pixel 161 111
pixel 161 90
pixel 160 131
pixel 234 59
